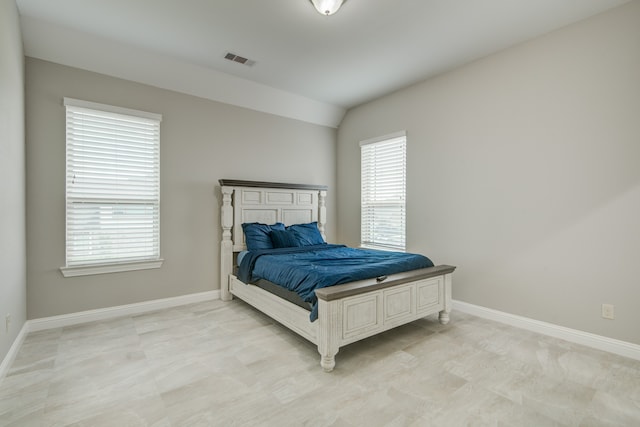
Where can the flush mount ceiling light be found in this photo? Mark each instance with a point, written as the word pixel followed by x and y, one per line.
pixel 327 7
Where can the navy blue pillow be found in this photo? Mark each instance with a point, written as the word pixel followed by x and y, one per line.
pixel 256 235
pixel 307 234
pixel 284 238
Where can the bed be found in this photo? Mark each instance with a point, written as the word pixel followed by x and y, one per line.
pixel 346 312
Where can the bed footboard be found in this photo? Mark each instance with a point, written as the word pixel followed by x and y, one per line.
pixel 357 310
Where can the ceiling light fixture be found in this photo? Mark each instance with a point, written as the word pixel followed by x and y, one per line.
pixel 327 7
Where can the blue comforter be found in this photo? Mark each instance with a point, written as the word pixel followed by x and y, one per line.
pixel 305 269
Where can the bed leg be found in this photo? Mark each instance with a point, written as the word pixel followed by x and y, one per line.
pixel 328 362
pixel 328 330
pixel 444 314
pixel 443 317
pixel 225 293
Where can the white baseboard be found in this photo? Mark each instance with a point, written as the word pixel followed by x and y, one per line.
pixel 13 351
pixel 118 311
pixel 621 348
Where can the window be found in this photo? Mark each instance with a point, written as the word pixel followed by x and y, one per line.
pixel 112 189
pixel 383 180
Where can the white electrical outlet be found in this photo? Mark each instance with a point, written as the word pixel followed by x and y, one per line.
pixel 7 322
pixel 607 311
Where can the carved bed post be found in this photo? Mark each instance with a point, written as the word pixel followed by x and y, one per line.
pixel 322 212
pixel 328 332
pixel 226 245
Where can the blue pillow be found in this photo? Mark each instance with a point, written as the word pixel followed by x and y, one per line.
pixel 284 238
pixel 307 234
pixel 256 235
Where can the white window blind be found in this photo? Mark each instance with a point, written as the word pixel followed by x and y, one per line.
pixel 383 180
pixel 112 185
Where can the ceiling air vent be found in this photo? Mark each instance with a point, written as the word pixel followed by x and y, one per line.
pixel 239 59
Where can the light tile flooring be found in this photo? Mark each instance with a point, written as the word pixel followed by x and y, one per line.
pixel 225 364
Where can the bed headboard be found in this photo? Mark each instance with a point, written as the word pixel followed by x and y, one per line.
pixel 267 203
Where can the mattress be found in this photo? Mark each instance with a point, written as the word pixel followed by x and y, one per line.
pixel 304 269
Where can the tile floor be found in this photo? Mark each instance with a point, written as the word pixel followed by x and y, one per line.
pixel 225 364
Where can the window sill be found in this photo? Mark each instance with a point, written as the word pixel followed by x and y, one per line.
pixel 87 270
pixel 382 248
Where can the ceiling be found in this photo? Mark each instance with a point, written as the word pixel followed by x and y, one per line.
pixel 307 66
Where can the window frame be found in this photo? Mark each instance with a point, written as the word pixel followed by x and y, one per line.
pixel 367 234
pixel 150 198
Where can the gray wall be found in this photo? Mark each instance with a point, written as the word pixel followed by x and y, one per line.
pixel 523 170
pixel 201 141
pixel 13 282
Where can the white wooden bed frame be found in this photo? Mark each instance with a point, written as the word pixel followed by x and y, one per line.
pixel 346 313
